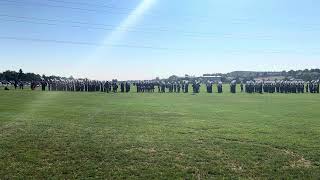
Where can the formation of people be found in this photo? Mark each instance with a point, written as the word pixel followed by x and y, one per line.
pixel 168 87
pixel 86 86
pixel 281 87
pixel 163 87
pixel 175 87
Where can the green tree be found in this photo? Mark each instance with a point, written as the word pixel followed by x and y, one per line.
pixel 20 75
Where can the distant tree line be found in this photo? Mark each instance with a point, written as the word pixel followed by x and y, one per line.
pixel 306 75
pixel 26 77
pixel 19 76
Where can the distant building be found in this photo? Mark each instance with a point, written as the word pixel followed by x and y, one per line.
pixel 210 77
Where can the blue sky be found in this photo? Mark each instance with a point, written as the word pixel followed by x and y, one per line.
pixel 144 39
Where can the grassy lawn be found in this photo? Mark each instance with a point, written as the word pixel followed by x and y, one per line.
pixel 158 136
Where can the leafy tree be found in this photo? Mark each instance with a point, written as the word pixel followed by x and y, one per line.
pixel 20 75
pixel 9 75
pixel 173 78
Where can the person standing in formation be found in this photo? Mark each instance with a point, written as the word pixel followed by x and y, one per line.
pixel 84 85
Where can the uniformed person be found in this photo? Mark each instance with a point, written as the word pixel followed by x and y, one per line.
pixel 128 87
pixel 21 85
pixel 43 85
pixel 233 86
pixel 186 87
pixel 220 88
pixel 115 87
pixel 178 87
pixel 209 87
pixel 15 84
pixel 122 87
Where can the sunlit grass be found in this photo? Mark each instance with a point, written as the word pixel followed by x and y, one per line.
pixel 169 136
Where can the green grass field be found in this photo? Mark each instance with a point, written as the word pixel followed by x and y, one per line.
pixel 158 136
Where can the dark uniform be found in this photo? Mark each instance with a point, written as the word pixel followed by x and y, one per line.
pixel 127 87
pixel 233 86
pixel 43 85
pixel 209 87
pixel 122 87
pixel 220 88
pixel 115 87
pixel 186 88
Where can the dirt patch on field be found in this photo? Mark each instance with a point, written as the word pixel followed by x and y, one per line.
pixel 236 167
pixel 300 161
